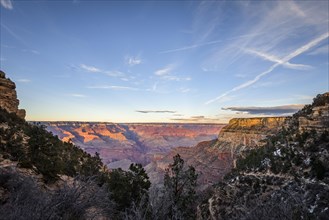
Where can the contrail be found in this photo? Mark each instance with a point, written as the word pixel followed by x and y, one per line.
pixel 275 59
pixel 191 46
pixel 284 60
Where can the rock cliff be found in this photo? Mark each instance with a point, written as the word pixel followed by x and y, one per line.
pixel 287 178
pixel 213 159
pixel 243 134
pixel 8 96
pixel 318 117
pixel 248 132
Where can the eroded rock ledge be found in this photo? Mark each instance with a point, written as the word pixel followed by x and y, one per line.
pixel 8 96
pixel 248 132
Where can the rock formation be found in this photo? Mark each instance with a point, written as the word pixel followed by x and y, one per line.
pixel 122 144
pixel 246 133
pixel 8 96
pixel 213 159
pixel 318 117
pixel 241 132
pixel 287 178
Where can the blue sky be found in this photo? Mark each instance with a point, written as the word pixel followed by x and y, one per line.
pixel 167 61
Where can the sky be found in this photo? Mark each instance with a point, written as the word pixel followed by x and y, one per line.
pixel 164 61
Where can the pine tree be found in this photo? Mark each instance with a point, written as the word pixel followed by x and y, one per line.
pixel 180 186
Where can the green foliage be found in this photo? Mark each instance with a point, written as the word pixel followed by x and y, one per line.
pixel 180 185
pixel 299 151
pixel 91 166
pixel 128 187
pixel 33 147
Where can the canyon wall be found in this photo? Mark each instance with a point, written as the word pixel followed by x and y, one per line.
pixel 274 182
pixel 242 133
pixel 318 117
pixel 213 159
pixel 122 144
pixel 8 96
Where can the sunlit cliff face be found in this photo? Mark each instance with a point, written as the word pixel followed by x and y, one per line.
pixel 91 132
pixel 8 96
pixel 127 143
pixel 265 123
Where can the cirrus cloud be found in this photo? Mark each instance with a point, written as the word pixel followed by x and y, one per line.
pixel 111 87
pixel 7 4
pixel 94 69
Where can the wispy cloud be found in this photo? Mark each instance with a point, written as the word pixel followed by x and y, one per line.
pixel 176 78
pixel 154 87
pixel 90 68
pixel 184 90
pixel 155 111
pixel 164 71
pixel 31 51
pixel 76 95
pixel 273 110
pixel 271 27
pixel 113 87
pixel 285 59
pixel 275 59
pixel 191 46
pixel 115 73
pixel 7 4
pixel 13 34
pixel 166 74
pixel 24 80
pixel 132 61
pixel 94 69
pixel 296 9
pixel 321 50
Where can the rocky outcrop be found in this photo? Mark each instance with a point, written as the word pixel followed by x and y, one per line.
pixel 243 134
pixel 248 132
pixel 317 119
pixel 8 96
pixel 287 178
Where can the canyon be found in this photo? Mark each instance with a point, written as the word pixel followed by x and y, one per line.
pixel 212 149
pixel 119 145
pixel 213 159
pixel 273 166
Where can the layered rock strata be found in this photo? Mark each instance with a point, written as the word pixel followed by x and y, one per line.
pixel 213 159
pixel 122 144
pixel 318 119
pixel 241 132
pixel 8 96
pixel 286 179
